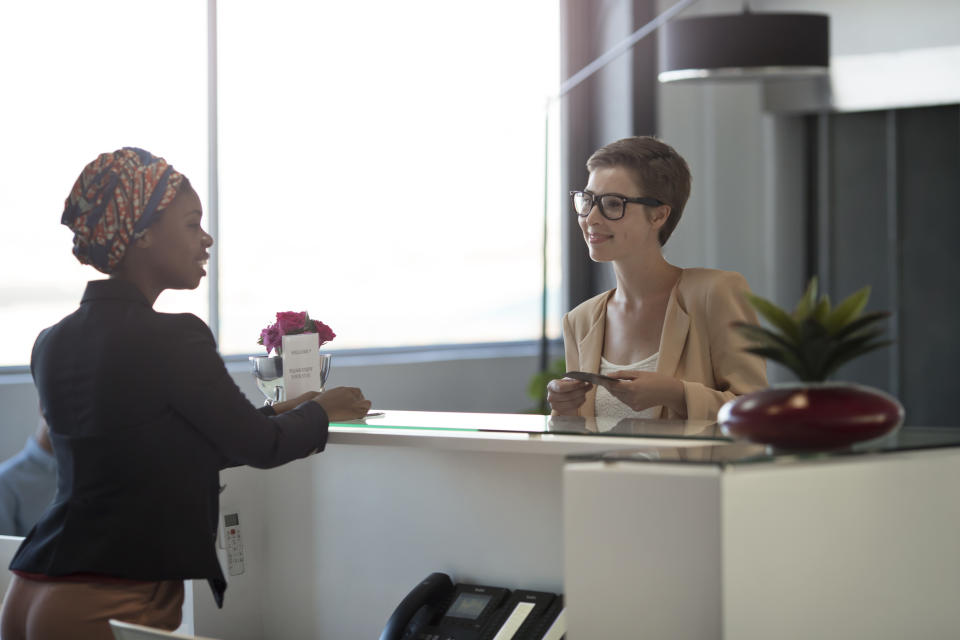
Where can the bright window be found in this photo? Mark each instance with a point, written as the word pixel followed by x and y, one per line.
pixel 381 166
pixel 79 79
pixel 381 163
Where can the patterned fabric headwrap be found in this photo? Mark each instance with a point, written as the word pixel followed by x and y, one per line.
pixel 114 200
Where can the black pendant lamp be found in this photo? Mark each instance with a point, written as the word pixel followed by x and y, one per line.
pixel 747 45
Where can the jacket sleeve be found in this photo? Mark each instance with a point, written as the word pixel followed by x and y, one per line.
pixel 202 391
pixel 735 371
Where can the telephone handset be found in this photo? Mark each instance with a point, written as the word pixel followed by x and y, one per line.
pixel 436 609
pixel 418 607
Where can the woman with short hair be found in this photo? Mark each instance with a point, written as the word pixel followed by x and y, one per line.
pixel 663 332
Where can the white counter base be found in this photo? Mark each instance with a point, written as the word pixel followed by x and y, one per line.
pixel 855 547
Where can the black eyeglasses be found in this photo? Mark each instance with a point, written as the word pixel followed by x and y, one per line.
pixel 612 205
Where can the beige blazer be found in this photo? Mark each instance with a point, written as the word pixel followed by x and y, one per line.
pixel 697 345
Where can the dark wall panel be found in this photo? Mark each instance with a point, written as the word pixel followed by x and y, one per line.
pixel 892 215
pixel 928 144
pixel 857 255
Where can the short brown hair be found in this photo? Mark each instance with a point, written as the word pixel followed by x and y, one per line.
pixel 658 169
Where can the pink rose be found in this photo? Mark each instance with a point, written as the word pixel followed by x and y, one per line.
pixel 325 333
pixel 271 338
pixel 291 321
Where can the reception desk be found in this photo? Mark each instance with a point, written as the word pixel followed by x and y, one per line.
pixel 333 542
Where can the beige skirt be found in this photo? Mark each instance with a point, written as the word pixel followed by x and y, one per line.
pixel 51 609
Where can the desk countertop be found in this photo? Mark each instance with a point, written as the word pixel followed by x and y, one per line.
pixel 522 433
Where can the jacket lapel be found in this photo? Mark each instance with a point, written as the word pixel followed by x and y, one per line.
pixel 676 324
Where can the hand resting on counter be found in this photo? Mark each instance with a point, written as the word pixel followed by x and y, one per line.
pixel 340 403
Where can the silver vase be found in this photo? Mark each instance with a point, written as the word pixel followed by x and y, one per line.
pixel 268 372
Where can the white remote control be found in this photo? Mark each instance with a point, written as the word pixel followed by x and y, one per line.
pixel 233 543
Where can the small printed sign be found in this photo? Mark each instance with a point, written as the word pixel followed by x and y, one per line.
pixel 301 364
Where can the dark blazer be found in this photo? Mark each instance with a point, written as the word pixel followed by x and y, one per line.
pixel 143 415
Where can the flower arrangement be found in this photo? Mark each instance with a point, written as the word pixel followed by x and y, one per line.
pixel 292 323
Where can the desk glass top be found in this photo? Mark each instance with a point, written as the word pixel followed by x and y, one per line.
pixel 720 450
pixel 742 452
pixel 439 421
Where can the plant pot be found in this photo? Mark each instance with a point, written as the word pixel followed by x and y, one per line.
pixel 811 416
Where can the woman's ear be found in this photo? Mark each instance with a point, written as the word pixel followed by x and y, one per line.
pixel 659 215
pixel 144 241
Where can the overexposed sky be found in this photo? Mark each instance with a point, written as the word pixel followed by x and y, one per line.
pixel 381 163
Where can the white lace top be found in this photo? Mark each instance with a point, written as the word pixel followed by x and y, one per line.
pixel 608 406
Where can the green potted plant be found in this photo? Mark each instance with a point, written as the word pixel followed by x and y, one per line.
pixel 813 342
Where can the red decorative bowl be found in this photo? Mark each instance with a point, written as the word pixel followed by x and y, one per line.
pixel 811 416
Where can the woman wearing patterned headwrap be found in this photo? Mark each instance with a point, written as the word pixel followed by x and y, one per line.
pixel 142 417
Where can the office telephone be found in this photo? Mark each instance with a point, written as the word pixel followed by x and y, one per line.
pixel 437 609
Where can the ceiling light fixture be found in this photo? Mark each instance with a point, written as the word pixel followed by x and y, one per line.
pixel 745 46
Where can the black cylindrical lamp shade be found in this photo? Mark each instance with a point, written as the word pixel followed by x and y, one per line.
pixel 744 45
